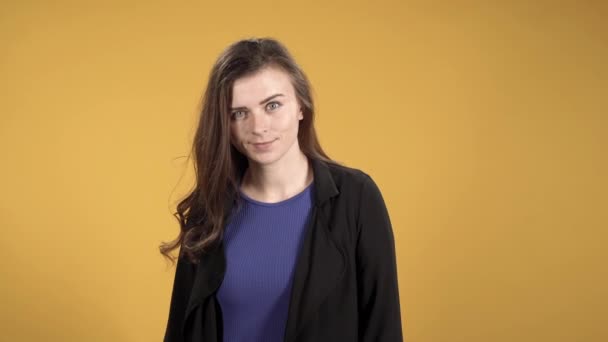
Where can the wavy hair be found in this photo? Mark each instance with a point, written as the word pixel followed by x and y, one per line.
pixel 218 165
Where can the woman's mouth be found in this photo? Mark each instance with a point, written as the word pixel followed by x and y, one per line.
pixel 263 146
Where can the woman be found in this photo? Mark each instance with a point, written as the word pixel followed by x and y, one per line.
pixel 277 241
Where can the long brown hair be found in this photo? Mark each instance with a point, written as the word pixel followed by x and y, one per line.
pixel 218 165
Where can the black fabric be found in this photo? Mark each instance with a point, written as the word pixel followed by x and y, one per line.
pixel 345 284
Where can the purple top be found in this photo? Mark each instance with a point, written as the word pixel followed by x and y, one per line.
pixel 262 242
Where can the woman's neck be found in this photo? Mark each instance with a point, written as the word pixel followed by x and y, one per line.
pixel 277 182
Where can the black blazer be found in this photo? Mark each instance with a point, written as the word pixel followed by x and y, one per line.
pixel 345 283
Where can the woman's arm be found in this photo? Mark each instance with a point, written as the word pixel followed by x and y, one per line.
pixel 378 290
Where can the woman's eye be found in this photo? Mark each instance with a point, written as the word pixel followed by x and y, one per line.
pixel 273 105
pixel 238 114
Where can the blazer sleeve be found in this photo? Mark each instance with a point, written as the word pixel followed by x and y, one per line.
pixel 182 286
pixel 377 284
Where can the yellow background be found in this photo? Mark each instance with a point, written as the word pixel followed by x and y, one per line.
pixel 484 124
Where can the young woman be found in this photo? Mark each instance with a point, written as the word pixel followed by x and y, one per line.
pixel 277 241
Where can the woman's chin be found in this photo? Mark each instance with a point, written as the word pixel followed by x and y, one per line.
pixel 262 159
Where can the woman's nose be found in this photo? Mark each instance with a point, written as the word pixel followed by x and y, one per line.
pixel 259 122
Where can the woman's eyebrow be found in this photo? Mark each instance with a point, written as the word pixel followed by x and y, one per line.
pixel 261 102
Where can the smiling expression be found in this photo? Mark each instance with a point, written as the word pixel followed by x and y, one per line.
pixel 265 116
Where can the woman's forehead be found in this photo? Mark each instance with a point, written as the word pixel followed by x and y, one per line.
pixel 250 90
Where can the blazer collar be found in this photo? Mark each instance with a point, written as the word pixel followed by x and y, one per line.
pixel 324 184
pixel 320 263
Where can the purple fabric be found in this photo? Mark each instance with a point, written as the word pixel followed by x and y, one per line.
pixel 262 242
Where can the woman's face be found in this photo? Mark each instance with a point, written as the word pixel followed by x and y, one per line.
pixel 264 117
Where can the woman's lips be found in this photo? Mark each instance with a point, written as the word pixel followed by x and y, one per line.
pixel 263 146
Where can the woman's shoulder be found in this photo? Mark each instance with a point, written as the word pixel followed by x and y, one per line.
pixel 349 176
pixel 358 187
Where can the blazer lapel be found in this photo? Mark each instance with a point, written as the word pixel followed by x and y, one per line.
pixel 321 263
pixel 209 271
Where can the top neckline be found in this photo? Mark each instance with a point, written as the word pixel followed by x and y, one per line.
pixel 276 204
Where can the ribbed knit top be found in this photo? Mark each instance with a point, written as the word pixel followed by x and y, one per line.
pixel 262 242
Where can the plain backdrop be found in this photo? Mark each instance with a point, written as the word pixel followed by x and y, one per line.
pixel 484 124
